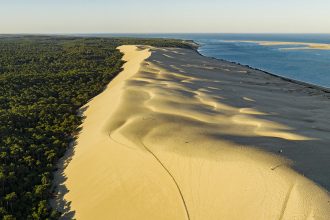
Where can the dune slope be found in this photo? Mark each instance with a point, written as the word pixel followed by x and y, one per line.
pixel 180 136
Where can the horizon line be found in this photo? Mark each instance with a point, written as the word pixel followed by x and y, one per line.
pixel 116 33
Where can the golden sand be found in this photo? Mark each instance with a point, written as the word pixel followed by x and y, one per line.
pixel 169 139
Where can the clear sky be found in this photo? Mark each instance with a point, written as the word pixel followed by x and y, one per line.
pixel 169 16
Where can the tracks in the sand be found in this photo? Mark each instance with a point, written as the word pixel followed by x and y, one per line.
pixel 286 200
pixel 163 166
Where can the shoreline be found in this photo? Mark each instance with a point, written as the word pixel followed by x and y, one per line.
pixel 299 82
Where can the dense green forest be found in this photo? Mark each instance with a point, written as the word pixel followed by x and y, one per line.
pixel 44 80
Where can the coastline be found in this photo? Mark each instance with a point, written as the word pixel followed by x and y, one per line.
pixel 309 85
pixel 166 125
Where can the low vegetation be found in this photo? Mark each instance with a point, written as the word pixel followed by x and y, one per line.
pixel 43 83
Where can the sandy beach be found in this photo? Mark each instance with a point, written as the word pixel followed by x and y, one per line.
pixel 291 45
pixel 180 136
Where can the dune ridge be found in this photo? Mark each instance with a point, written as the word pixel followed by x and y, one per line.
pixel 180 136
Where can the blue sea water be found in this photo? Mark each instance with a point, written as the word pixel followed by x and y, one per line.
pixel 311 66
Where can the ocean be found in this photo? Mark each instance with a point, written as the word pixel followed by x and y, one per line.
pixel 307 65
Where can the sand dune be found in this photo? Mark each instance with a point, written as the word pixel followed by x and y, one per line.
pixel 180 136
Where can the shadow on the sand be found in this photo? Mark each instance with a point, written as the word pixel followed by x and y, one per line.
pixel 59 188
pixel 300 108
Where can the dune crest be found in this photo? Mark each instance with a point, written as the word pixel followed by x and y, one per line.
pixel 174 136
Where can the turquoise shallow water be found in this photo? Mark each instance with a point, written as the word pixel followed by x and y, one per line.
pixel 311 66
